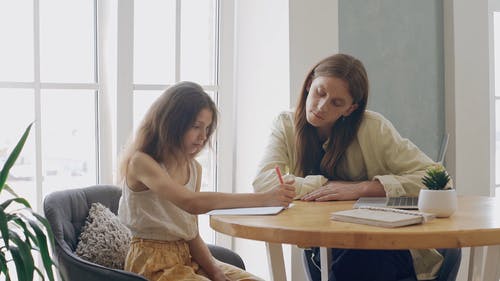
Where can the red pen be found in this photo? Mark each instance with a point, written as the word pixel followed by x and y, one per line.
pixel 278 171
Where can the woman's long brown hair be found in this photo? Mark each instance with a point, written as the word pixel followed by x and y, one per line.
pixel 162 130
pixel 311 159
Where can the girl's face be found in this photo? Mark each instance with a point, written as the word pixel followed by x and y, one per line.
pixel 328 100
pixel 195 137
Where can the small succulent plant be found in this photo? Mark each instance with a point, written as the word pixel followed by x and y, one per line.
pixel 436 178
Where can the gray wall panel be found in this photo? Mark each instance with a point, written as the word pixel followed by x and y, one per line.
pixel 401 44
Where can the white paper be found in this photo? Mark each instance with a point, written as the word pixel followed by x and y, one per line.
pixel 247 211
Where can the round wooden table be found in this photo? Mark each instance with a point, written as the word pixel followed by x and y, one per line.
pixel 308 224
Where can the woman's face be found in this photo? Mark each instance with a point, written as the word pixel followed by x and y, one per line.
pixel 195 137
pixel 328 100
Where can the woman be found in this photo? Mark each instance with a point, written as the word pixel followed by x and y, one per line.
pixel 335 149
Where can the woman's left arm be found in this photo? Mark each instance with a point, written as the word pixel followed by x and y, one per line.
pixel 396 162
pixel 394 165
pixel 346 190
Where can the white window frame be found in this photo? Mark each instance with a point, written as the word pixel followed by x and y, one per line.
pixel 494 6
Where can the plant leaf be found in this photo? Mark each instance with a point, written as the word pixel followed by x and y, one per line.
pixel 25 258
pixel 18 261
pixel 40 273
pixel 44 250
pixel 10 190
pixel 45 223
pixel 18 200
pixel 13 157
pixel 27 233
pixel 3 266
pixel 4 229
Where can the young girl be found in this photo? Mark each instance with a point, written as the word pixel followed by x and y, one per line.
pixel 161 183
pixel 338 150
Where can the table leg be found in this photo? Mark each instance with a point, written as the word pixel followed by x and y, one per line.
pixel 490 268
pixel 326 259
pixel 475 264
pixel 276 262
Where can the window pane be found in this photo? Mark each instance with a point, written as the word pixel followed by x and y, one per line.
pixel 142 102
pixel 198 41
pixel 154 42
pixel 15 116
pixel 66 41
pixel 16 48
pixel 68 139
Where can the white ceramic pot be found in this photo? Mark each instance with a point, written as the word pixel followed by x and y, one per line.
pixel 442 203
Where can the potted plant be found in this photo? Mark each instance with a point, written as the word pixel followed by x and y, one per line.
pixel 23 232
pixel 440 198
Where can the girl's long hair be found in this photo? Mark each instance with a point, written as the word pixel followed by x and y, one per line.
pixel 162 130
pixel 311 159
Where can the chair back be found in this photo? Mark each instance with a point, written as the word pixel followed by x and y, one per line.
pixel 67 212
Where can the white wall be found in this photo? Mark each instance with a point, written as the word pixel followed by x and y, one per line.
pixel 276 44
pixel 313 36
pixel 468 99
pixel 261 92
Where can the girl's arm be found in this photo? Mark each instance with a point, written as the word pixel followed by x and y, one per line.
pixel 199 250
pixel 280 151
pixel 144 170
pixel 201 254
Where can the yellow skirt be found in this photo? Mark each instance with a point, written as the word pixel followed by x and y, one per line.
pixel 171 261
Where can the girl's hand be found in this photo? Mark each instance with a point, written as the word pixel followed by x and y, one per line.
pixel 217 274
pixel 281 195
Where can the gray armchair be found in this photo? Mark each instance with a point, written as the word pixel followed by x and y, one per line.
pixel 67 211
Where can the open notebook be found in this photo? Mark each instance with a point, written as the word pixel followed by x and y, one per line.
pixel 385 217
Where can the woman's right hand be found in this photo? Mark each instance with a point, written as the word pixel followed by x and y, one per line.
pixel 282 195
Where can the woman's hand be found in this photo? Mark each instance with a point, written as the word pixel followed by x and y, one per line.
pixel 281 195
pixel 345 190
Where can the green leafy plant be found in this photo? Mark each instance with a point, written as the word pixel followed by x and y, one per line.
pixel 436 178
pixel 22 231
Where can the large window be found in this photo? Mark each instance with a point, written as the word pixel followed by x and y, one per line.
pixel 48 76
pixel 53 72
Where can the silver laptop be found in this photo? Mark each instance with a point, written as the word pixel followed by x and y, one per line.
pixel 410 203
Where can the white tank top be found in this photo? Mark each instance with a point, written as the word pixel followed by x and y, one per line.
pixel 150 217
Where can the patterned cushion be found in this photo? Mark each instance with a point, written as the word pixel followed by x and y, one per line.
pixel 104 239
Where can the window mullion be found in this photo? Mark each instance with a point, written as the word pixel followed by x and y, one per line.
pixel 38 105
pixel 124 68
pixel 177 40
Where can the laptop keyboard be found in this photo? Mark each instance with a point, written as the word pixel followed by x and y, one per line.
pixel 402 201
